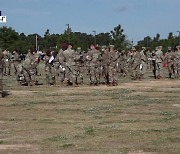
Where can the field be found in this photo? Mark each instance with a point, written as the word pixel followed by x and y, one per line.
pixel 136 117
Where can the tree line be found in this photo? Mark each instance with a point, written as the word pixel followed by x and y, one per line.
pixel 12 40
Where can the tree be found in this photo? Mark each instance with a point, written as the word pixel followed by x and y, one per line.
pixel 8 38
pixel 170 36
pixel 118 38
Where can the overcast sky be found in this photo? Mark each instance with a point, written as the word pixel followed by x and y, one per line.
pixel 138 18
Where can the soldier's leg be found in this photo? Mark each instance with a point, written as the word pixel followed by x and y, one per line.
pixel 47 74
pixel 91 75
pixel 15 67
pixel 169 66
pixel 110 75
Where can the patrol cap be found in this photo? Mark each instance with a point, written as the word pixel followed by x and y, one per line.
pixel 133 49
pixel 78 48
pixel 104 47
pixel 143 48
pixel 111 46
pixel 160 47
pixel 169 48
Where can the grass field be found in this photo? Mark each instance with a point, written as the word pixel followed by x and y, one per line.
pixel 136 117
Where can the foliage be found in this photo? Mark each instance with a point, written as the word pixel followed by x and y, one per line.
pixel 12 40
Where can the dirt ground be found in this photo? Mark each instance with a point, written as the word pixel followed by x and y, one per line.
pixel 136 117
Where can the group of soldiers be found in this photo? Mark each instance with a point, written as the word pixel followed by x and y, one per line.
pixel 98 64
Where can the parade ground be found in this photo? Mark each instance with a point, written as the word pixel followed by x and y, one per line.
pixel 135 117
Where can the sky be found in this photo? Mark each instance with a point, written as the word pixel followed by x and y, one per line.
pixel 138 18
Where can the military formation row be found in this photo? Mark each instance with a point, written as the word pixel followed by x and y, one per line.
pixel 70 67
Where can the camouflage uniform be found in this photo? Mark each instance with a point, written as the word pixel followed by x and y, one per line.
pixel 169 57
pixel 80 60
pixel 143 65
pixel 61 66
pixel 177 62
pixel 16 61
pixel 159 59
pixel 7 61
pixel 113 66
pixel 70 66
pixel 93 59
pixel 136 62
pixel 49 69
pixel 1 73
pixel 105 64
pixel 122 63
pixel 26 70
pixel 36 63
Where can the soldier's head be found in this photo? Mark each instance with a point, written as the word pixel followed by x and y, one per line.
pixel 92 47
pixel 111 47
pixel 175 49
pixel 169 49
pixel 78 49
pixel 64 46
pixel 143 48
pixel 133 49
pixel 70 46
pixel 103 48
pixel 48 52
pixel 160 48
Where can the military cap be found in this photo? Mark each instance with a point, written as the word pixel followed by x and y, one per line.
pixel 78 48
pixel 133 49
pixel 169 48
pixel 103 47
pixel 143 48
pixel 111 46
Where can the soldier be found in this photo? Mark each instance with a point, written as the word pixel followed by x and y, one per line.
pixel 105 63
pixel 62 63
pixel 7 62
pixel 143 65
pixel 80 59
pixel 49 71
pixel 159 59
pixel 36 62
pixel 149 58
pixel 169 58
pixel 153 61
pixel 136 62
pixel 93 58
pixel 113 79
pixel 69 61
pixel 177 61
pixel 16 61
pixel 122 63
pixel 26 70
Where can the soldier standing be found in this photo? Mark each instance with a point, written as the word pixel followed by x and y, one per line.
pixel 113 79
pixel 143 66
pixel 169 58
pixel 7 61
pixel 159 59
pixel 136 62
pixel 80 60
pixel 93 58
pixel 1 72
pixel 69 61
pixel 105 63
pixel 50 76
pixel 16 61
pixel 177 61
